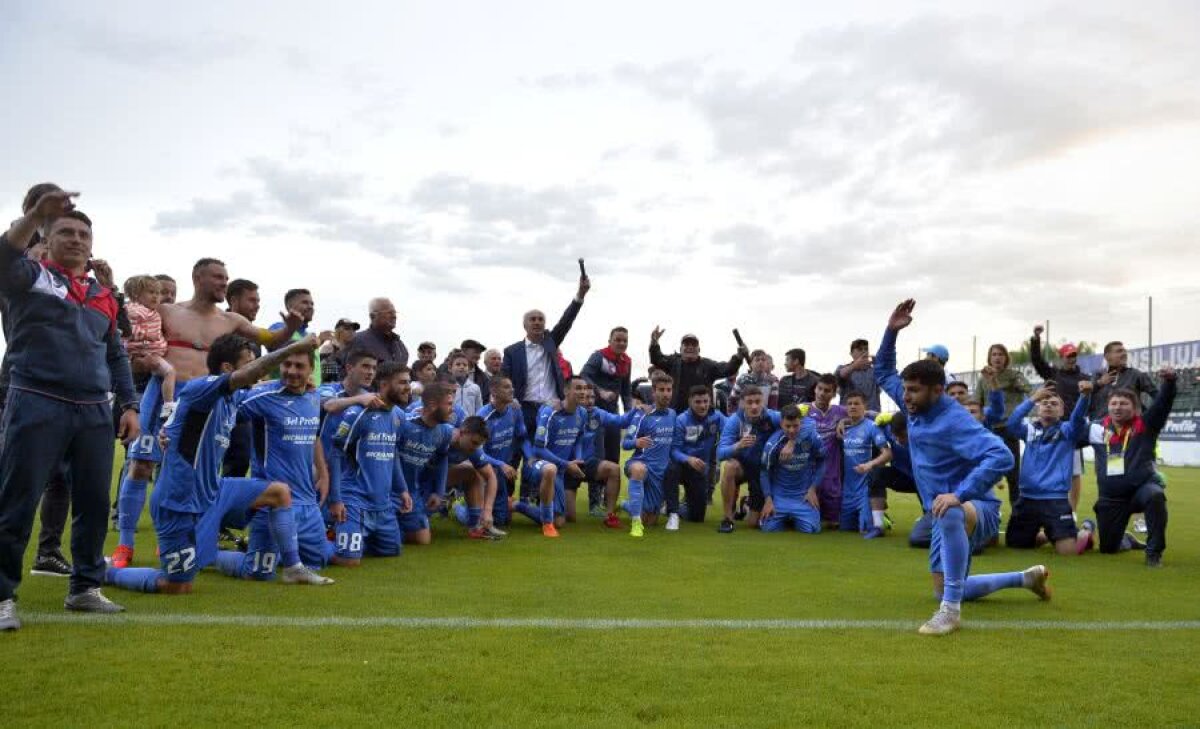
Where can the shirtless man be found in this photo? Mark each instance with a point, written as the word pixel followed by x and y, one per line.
pixel 190 327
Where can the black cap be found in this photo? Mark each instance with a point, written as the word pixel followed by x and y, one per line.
pixel 346 324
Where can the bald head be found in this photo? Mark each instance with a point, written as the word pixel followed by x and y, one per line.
pixel 382 314
pixel 535 325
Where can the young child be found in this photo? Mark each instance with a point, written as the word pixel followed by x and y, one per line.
pixel 147 344
pixel 860 441
pixel 759 377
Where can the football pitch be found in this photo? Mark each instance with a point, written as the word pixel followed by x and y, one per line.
pixel 683 629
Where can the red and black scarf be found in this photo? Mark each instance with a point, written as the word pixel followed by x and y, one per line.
pixel 622 364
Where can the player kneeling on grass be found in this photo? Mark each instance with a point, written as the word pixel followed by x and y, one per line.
pixel 597 469
pixel 1046 469
pixel 373 486
pixel 506 438
pixel 740 449
pixel 955 462
pixel 473 469
pixel 286 414
pixel 793 462
pixel 423 448
pixel 192 500
pixel 864 448
pixel 650 436
pixel 696 432
pixel 557 451
pixel 1124 443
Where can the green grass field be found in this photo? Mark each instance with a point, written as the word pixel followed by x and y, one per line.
pixel 222 656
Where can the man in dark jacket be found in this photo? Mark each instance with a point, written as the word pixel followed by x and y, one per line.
pixel 1065 378
pixel 58 406
pixel 1119 376
pixel 532 363
pixel 688 368
pixel 1124 443
pixel 609 370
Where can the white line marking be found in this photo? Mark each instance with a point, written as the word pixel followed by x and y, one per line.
pixel 341 621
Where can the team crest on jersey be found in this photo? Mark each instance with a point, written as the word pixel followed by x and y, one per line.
pixel 541 430
pixel 343 430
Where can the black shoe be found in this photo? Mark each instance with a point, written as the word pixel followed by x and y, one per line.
pixel 739 513
pixel 726 527
pixel 51 565
pixel 1153 559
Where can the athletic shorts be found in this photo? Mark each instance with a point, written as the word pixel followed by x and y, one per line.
pixel 1029 516
pixel 855 512
pixel 262 552
pixel 802 517
pixel 889 477
pixel 375 532
pixel 187 542
pixel 145 446
pixel 987 527
pixel 652 489
pixel 750 476
pixel 590 468
pixel 531 473
pixel 416 520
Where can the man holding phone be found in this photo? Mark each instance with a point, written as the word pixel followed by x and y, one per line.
pixel 1118 375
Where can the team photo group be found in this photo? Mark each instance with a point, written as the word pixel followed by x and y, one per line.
pixel 287 455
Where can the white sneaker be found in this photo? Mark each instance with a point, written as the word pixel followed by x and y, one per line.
pixel 298 574
pixel 673 523
pixel 8 615
pixel 943 622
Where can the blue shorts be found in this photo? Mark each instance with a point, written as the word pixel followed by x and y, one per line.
pixel 803 518
pixel 262 552
pixel 375 532
pixel 987 527
pixel 652 489
pixel 145 446
pixel 415 520
pixel 531 473
pixel 187 542
pixel 856 511
pixel 501 516
pixel 590 468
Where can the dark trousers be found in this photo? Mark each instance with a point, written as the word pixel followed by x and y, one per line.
pixel 1112 517
pixel 529 412
pixel 1013 477
pixel 241 445
pixel 881 480
pixel 695 490
pixel 39 434
pixel 56 505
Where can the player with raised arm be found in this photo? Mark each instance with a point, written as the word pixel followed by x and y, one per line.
pixel 190 328
pixel 285 415
pixel 792 461
pixel 650 437
pixel 1050 446
pixel 955 463
pixel 740 450
pixel 192 500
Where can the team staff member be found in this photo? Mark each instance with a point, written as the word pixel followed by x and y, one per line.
pixel 688 369
pixel 58 407
pixel 608 371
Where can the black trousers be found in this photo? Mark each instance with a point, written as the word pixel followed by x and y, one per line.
pixel 695 491
pixel 40 433
pixel 56 506
pixel 241 445
pixel 1112 517
pixel 1013 477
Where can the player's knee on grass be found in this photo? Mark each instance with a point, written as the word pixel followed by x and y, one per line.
pixel 344 561
pixel 420 538
pixel 1066 547
pixel 173 588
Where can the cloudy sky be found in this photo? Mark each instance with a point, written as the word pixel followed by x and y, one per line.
pixel 792 169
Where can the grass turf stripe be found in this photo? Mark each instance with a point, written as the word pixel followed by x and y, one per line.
pixel 335 621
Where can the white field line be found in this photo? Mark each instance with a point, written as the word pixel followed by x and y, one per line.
pixel 338 621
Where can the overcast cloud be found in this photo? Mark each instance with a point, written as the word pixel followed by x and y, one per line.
pixel 791 169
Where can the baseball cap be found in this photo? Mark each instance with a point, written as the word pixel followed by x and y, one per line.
pixel 347 324
pixel 939 351
pixel 1067 350
pixel 691 337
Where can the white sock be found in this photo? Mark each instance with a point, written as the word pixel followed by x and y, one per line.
pixel 877 518
pixel 953 607
pixel 1075 517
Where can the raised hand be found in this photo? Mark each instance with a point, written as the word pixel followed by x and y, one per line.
pixel 53 204
pixel 656 334
pixel 1086 387
pixel 1167 374
pixel 293 320
pixel 585 285
pixel 902 316
pixel 103 272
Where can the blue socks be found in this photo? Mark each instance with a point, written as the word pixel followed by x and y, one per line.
pixel 230 563
pixel 473 514
pixel 529 510
pixel 980 585
pixel 283 531
pixel 636 494
pixel 130 503
pixel 461 515
pixel 546 512
pixel 135 579
pixel 956 554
